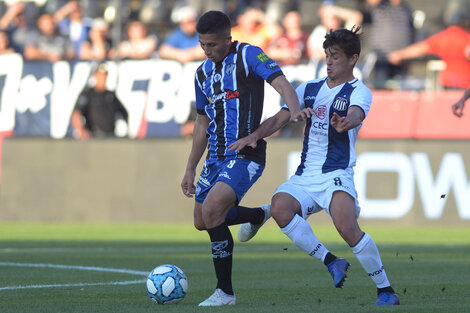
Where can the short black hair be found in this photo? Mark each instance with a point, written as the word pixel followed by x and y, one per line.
pixel 347 40
pixel 214 22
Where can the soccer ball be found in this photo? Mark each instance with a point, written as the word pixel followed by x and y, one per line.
pixel 167 284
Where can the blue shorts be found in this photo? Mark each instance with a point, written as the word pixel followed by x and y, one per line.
pixel 240 174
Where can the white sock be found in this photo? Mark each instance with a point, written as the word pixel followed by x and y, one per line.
pixel 368 255
pixel 300 232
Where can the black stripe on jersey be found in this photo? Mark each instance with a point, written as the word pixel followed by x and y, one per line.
pixel 251 92
pixel 219 107
pixel 244 95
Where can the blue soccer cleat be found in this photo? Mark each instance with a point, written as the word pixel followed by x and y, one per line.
pixel 387 298
pixel 338 270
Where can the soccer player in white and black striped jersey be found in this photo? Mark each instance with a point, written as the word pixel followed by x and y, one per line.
pixel 334 108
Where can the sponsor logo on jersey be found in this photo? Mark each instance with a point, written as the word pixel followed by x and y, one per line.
pixel 310 210
pixel 340 104
pixel 320 125
pixel 227 95
pixel 230 94
pixel 229 69
pixel 320 111
pixel 262 57
pixel 271 65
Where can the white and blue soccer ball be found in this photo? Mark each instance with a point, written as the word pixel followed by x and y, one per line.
pixel 167 284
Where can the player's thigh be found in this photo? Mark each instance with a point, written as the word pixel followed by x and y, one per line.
pixel 343 213
pixel 283 208
pixel 298 188
pixel 220 199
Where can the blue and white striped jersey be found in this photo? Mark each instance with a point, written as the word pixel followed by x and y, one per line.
pixel 324 149
pixel 231 94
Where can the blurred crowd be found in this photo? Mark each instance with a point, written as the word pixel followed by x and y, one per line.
pixel 400 37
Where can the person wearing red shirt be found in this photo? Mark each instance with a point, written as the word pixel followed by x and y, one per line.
pixel 449 45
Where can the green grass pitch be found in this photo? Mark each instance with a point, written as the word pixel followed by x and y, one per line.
pixel 101 268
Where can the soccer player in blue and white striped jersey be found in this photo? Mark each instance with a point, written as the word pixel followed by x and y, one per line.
pixel 334 108
pixel 229 99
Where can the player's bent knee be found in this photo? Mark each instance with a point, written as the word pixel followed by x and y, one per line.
pixel 199 225
pixel 281 215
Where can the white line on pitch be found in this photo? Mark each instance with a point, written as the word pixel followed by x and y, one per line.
pixel 129 282
pixel 75 267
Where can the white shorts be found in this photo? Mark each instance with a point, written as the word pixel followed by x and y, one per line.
pixel 314 193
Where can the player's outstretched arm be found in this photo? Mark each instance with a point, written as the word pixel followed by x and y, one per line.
pixel 287 92
pixel 344 123
pixel 197 149
pixel 266 129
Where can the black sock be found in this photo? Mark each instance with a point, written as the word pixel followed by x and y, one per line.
pixel 329 258
pixel 240 214
pixel 386 289
pixel 222 249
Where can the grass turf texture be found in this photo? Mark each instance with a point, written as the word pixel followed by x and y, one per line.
pixel 428 267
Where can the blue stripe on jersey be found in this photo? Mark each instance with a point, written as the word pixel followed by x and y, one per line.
pixel 311 90
pixel 338 154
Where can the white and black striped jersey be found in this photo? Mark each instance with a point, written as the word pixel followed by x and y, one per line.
pixel 231 94
pixel 324 149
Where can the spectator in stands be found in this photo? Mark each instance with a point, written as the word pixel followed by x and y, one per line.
pixel 449 45
pixel 71 22
pixel 5 47
pixel 98 45
pixel 332 17
pixel 47 43
pixel 98 112
pixel 291 47
pixel 183 43
pixel 457 108
pixel 391 28
pixel 14 23
pixel 139 44
pixel 255 29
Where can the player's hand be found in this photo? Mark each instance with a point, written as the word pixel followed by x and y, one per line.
pixel 187 184
pixel 241 143
pixel 457 108
pixel 295 116
pixel 340 123
pixel 303 114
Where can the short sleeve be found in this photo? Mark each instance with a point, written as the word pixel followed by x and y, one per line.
pixel 261 65
pixel 201 100
pixel 362 97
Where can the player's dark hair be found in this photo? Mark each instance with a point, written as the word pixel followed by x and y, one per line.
pixel 347 40
pixel 214 22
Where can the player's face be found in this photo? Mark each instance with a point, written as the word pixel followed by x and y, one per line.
pixel 215 46
pixel 339 66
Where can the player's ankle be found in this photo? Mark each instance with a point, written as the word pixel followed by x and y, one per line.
pixel 330 257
